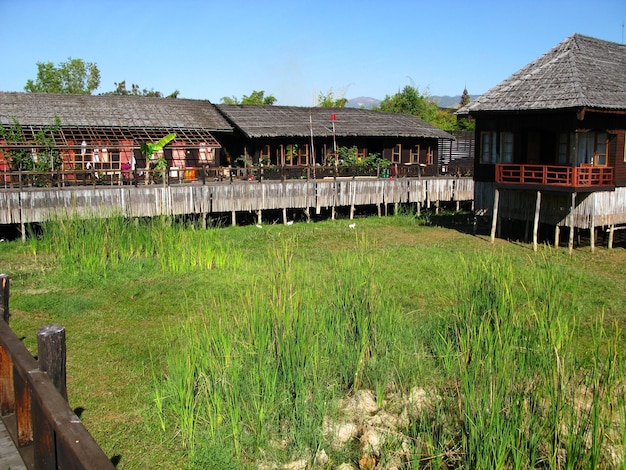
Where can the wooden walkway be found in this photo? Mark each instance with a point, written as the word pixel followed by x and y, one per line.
pixel 10 458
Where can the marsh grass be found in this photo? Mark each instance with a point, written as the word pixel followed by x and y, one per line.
pixel 231 347
pixel 526 395
pixel 105 245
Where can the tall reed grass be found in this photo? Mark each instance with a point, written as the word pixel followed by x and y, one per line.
pixel 100 246
pixel 525 395
pixel 259 377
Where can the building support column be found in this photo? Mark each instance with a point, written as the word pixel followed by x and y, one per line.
pixel 557 235
pixel 233 218
pixel 536 221
pixel 259 217
pixel 284 216
pixel 494 218
pixel 611 233
pixel 592 230
pixel 571 224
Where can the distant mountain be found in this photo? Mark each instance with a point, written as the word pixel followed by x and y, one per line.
pixel 442 101
pixel 362 102
pixel 451 101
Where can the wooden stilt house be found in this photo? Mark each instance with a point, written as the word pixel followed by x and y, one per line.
pixel 297 137
pixel 105 133
pixel 550 143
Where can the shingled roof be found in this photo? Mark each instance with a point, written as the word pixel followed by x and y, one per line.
pixel 580 72
pixel 294 121
pixel 110 116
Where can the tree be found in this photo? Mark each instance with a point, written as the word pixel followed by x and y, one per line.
pixel 329 101
pixel 32 153
pixel 410 101
pixel 72 77
pixel 256 98
pixel 465 98
pixel 135 90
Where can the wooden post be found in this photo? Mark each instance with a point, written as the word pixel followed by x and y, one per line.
pixel 7 397
pixel 557 235
pixel 494 218
pixel 4 296
pixel 284 216
pixel 259 217
pixel 51 355
pixel 233 218
pixel 592 230
pixel 571 224
pixel 611 233
pixel 536 220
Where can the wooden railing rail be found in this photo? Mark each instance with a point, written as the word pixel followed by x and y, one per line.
pixel 49 434
pixel 555 175
pixel 203 174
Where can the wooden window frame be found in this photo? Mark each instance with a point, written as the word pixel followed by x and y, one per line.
pixel 415 154
pixel 396 153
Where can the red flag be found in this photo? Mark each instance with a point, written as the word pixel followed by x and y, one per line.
pixel 333 117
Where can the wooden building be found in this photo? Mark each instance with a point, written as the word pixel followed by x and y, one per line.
pixel 293 136
pixel 106 132
pixel 550 146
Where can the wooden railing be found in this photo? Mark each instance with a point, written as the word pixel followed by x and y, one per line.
pixel 47 432
pixel 552 175
pixel 204 174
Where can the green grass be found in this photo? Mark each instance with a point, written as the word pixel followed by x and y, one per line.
pixel 227 347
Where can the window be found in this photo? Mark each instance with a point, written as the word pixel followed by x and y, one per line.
pixel 396 153
pixel 590 148
pixel 265 154
pixel 506 147
pixel 415 154
pixel 496 147
pixel 303 154
pixel 361 153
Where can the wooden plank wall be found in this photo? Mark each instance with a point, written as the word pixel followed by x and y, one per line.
pixel 608 207
pixel 37 205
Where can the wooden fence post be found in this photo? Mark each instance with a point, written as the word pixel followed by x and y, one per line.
pixel 7 396
pixel 51 355
pixel 4 296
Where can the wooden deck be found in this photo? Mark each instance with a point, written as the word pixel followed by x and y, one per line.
pixel 9 456
pixel 31 205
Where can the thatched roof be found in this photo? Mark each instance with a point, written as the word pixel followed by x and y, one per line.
pixel 580 72
pixel 295 121
pixel 108 117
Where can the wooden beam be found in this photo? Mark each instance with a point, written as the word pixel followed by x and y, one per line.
pixel 536 220
pixel 494 219
pixel 557 235
pixel 571 224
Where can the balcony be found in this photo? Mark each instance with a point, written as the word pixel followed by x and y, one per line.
pixel 594 178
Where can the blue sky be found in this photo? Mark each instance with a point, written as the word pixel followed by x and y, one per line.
pixel 295 49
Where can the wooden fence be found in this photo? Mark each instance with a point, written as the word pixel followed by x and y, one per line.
pixel 32 205
pixel 33 401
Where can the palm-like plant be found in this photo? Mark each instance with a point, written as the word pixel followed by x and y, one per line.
pixel 150 148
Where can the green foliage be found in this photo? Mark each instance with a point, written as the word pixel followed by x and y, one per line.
pixel 149 149
pixel 411 101
pixel 256 98
pixel 349 156
pixel 329 100
pixel 253 336
pixel 136 90
pixel 38 154
pixel 73 77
